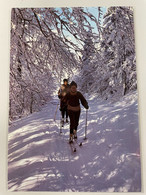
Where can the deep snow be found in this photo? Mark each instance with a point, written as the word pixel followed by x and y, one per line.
pixel 40 159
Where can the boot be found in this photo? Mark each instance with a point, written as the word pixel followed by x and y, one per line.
pixel 62 121
pixel 75 134
pixel 71 139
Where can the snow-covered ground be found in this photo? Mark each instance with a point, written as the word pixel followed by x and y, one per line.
pixel 40 159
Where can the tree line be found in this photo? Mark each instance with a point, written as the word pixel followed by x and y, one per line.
pixel 48 44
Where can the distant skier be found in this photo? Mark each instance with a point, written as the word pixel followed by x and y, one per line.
pixel 64 89
pixel 73 99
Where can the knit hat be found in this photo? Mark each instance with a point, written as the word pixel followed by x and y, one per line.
pixel 65 80
pixel 73 83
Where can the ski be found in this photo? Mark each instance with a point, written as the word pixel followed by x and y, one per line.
pixel 78 143
pixel 61 126
pixel 73 148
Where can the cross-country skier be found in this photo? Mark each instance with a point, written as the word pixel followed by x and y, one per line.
pixel 64 89
pixel 73 99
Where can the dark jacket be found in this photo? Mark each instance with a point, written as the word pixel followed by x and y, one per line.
pixel 64 89
pixel 73 101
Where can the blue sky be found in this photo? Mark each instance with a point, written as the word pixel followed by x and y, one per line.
pixel 93 11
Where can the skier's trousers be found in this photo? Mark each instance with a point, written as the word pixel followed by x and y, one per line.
pixel 64 111
pixel 74 120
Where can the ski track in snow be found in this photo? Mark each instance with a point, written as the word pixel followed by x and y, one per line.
pixel 40 159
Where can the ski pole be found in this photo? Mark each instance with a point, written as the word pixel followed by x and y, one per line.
pixel 86 125
pixel 56 112
pixel 57 106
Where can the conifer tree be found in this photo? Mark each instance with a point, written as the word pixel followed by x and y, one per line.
pixel 86 78
pixel 118 50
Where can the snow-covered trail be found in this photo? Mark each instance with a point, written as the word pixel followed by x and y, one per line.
pixel 40 159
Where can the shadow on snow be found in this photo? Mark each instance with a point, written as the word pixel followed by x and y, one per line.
pixel 109 161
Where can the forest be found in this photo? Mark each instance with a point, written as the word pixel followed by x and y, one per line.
pixel 93 46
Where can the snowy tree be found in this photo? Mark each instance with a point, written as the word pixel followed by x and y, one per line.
pixel 118 51
pixel 87 66
pixel 45 47
pixel 33 62
pixel 48 44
